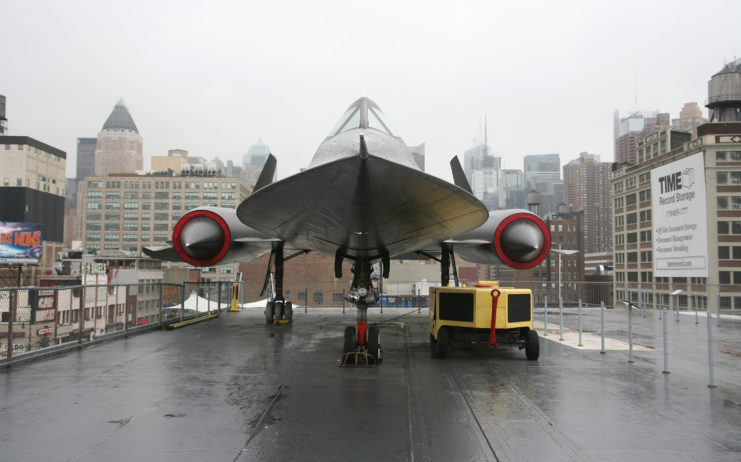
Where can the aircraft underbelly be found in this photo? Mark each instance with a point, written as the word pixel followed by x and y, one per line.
pixel 365 207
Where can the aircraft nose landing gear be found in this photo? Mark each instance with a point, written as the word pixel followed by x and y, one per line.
pixel 362 343
pixel 362 346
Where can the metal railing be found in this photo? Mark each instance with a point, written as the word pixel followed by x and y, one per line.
pixel 37 321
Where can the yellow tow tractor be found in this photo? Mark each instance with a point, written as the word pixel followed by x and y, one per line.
pixel 485 313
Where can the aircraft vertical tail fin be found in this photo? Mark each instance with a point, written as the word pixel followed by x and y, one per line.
pixel 459 177
pixel 267 174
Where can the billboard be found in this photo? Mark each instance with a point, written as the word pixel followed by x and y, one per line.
pixel 20 243
pixel 680 245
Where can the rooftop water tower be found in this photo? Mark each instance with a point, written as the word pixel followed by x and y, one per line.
pixel 724 94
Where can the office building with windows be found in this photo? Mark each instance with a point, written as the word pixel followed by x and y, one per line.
pixel 677 212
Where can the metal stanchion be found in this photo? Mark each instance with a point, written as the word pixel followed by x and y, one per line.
pixel 602 323
pixel 630 332
pixel 580 344
pixel 560 319
pixel 711 364
pixel 343 301
pixel 717 309
pixel 666 343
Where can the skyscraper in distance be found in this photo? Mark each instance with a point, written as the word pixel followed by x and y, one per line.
pixel 119 145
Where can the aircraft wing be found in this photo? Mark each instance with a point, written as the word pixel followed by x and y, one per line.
pixel 364 207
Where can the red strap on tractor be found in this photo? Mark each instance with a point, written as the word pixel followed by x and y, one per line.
pixel 494 301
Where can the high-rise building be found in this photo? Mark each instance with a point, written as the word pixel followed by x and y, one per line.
pixel 512 193
pixel 119 145
pixel 690 117
pixel 482 171
pixel 32 191
pixel 629 131
pixel 586 188
pixel 542 173
pixel 85 157
pixel 253 161
pixel 676 213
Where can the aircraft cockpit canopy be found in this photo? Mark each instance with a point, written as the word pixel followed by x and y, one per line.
pixel 363 113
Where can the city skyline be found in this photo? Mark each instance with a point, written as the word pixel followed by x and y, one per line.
pixel 200 80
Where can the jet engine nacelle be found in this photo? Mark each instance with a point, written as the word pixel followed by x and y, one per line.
pixel 516 238
pixel 206 236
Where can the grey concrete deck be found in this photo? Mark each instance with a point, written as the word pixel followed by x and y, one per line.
pixel 234 389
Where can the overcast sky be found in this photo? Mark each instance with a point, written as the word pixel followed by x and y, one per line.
pixel 213 77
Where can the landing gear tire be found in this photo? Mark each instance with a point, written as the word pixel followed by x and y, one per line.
pixel 532 345
pixel 288 312
pixel 442 346
pixel 374 343
pixel 350 340
pixel 279 309
pixel 269 310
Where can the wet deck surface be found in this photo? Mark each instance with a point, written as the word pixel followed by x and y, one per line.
pixel 234 389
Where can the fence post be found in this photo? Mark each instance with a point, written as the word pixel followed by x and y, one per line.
pixel 666 343
pixel 630 332
pixel 11 314
pixel 560 319
pixel 580 344
pixel 218 300
pixel 343 301
pixel 602 324
pixel 306 299
pixel 697 316
pixel 545 319
pixel 717 308
pixel 182 303
pixel 711 364
pixel 81 314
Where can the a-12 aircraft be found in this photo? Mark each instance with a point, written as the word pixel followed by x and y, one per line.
pixel 363 198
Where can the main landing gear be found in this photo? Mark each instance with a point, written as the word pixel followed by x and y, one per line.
pixel 362 343
pixel 278 311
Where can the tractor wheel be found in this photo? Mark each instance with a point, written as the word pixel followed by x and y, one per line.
pixel 532 345
pixel 443 343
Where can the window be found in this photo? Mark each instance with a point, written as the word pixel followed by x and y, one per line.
pixel 114 226
pixel 720 155
pixel 94 194
pixel 632 257
pixel 618 202
pixel 111 237
pixel 630 182
pixel 618 186
pixel 318 298
pixel 724 277
pixel 646 256
pixel 112 205
pixel 632 238
pixel 736 227
pixel 94 216
pixel 646 235
pixel 724 252
pixel 631 218
pixel 619 258
pixel 737 253
pixel 644 177
pixel 645 215
pixel 93 205
pixel 113 216
pixel 130 216
pixel 644 195
pixel 619 221
pixel 619 239
pixel 632 276
pixel 92 227
pixel 722 202
pixel 721 177
pixel 723 227
pixel 734 155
